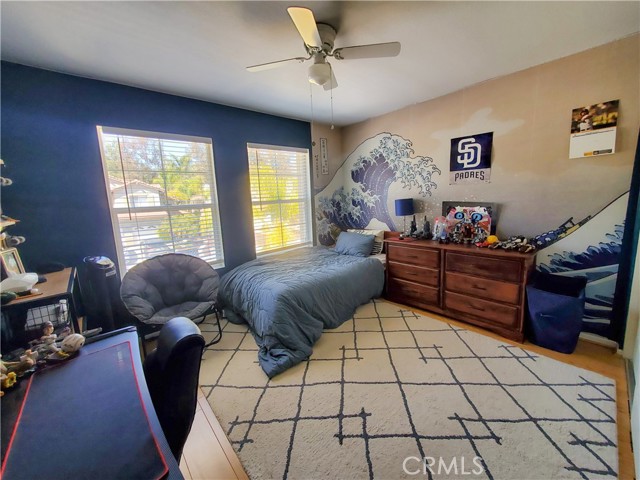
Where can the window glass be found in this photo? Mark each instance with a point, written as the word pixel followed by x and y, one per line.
pixel 162 192
pixel 280 197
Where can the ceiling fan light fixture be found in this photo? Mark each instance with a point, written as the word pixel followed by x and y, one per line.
pixel 319 73
pixel 318 41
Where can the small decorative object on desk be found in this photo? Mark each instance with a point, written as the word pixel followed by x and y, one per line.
pixel 7 380
pixel 26 364
pixel 71 345
pixel 11 263
pixel 19 283
pixel 46 344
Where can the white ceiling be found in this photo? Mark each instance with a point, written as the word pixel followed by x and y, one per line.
pixel 200 49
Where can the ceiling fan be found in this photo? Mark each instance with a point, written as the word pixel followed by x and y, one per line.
pixel 318 42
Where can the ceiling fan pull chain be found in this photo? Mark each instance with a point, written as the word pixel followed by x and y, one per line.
pixel 311 100
pixel 331 80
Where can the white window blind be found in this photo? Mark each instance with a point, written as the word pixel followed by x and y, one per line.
pixel 280 197
pixel 162 195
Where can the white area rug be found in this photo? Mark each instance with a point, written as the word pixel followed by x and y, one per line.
pixel 391 388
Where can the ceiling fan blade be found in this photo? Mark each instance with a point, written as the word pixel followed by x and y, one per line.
pixel 305 22
pixel 332 83
pixel 375 50
pixel 279 63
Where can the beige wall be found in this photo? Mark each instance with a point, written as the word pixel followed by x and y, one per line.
pixel 533 180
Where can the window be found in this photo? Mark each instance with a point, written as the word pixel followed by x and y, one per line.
pixel 280 197
pixel 162 195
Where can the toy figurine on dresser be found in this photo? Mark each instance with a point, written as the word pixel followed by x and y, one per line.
pixel 426 230
pixel 413 228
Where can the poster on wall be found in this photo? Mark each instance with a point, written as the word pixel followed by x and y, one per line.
pixel 316 166
pixel 470 160
pixel 324 156
pixel 593 130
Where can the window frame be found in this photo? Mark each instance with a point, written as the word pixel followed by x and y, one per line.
pixel 309 198
pixel 214 203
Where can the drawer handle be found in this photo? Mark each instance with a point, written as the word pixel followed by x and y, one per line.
pixel 478 308
pixel 413 291
pixel 479 287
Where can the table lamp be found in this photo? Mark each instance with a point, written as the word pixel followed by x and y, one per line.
pixel 404 207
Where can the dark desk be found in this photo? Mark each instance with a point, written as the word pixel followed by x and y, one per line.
pixel 70 439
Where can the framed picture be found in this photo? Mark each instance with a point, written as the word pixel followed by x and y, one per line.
pixel 11 263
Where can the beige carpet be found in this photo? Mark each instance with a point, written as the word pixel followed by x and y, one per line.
pixel 390 387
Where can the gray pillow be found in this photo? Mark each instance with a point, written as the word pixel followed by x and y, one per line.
pixel 355 244
pixel 378 243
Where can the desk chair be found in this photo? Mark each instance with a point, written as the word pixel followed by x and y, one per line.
pixel 168 286
pixel 172 372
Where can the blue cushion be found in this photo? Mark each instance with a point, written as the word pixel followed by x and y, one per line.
pixel 355 244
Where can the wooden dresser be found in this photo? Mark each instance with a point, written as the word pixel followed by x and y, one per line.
pixel 476 285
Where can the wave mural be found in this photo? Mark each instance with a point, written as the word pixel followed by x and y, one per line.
pixel 592 251
pixel 357 195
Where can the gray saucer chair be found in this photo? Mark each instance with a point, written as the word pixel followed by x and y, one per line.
pixel 168 286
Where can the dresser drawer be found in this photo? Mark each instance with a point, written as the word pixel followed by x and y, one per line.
pixel 413 256
pixel 482 287
pixel 497 314
pixel 492 268
pixel 400 289
pixel 426 276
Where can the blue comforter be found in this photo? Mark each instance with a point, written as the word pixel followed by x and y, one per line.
pixel 288 299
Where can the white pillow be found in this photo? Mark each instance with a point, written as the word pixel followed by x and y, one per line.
pixel 378 242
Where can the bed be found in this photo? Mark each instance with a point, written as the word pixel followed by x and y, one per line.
pixel 288 299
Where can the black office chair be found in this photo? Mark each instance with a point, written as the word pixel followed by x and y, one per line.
pixel 172 372
pixel 169 286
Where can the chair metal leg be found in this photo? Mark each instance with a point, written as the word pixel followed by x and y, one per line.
pixel 146 330
pixel 144 346
pixel 218 337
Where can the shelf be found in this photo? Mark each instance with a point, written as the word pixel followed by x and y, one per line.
pixel 7 222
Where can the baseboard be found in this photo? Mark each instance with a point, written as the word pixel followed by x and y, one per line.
pixel 631 380
pixel 598 340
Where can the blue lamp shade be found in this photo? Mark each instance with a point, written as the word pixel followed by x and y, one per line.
pixel 404 206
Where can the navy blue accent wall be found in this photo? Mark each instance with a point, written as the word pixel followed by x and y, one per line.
pixel 628 258
pixel 50 148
